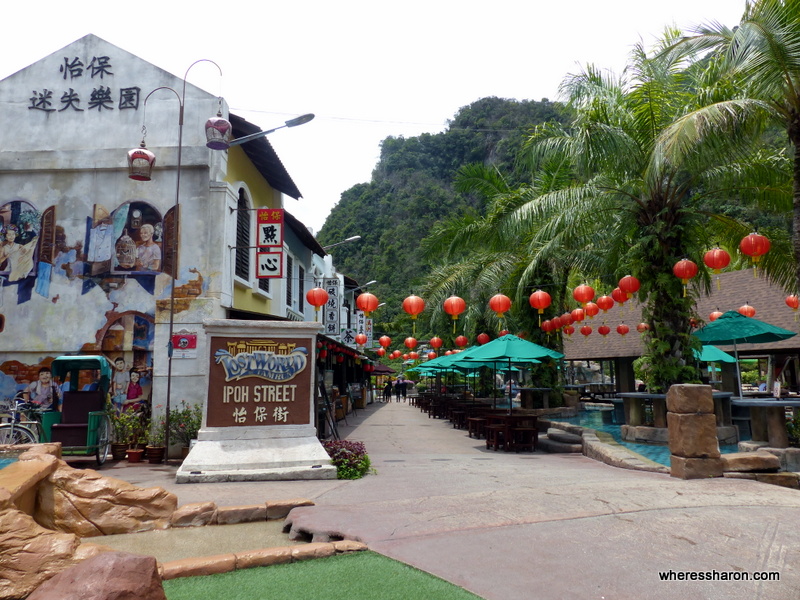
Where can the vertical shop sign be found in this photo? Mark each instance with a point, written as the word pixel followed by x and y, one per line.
pixel 269 256
pixel 331 317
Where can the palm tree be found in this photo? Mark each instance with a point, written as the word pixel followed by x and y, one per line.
pixel 634 204
pixel 758 86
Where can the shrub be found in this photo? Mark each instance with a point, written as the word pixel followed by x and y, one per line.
pixel 349 458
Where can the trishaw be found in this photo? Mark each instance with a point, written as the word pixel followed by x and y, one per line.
pixel 82 425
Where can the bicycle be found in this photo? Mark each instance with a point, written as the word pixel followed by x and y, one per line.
pixel 22 424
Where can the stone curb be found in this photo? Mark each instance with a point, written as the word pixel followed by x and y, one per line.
pixel 225 563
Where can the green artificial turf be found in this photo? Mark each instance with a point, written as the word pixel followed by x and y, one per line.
pixel 356 576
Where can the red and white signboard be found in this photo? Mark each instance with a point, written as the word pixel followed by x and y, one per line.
pixel 184 344
pixel 269 257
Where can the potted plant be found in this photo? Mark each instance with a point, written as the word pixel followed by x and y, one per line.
pixel 119 431
pixel 154 452
pixel 133 426
pixel 184 423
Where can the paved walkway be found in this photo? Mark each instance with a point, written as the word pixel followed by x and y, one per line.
pixel 526 526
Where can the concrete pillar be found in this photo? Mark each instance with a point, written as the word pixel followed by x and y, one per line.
pixel 692 432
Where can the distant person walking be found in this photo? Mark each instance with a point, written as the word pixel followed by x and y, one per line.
pixel 387 392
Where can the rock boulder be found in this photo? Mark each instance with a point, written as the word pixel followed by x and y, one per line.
pixel 87 504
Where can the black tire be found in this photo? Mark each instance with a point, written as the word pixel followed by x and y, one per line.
pixel 16 434
pixel 103 440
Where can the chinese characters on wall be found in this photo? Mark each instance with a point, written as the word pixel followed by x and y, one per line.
pixel 269 258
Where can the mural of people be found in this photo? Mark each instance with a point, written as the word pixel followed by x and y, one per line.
pixel 148 253
pixel 134 394
pixel 16 258
pixel 119 384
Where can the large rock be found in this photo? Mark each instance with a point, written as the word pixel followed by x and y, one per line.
pixel 116 575
pixel 689 398
pixel 693 435
pixel 88 504
pixel 30 554
pixel 748 462
pixel 695 468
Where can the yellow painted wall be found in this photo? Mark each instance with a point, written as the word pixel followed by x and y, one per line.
pixel 240 169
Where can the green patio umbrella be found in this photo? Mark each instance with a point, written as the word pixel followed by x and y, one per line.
pixel 510 349
pixel 713 354
pixel 733 328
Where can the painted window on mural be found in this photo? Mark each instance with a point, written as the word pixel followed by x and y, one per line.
pixel 132 239
pixel 20 228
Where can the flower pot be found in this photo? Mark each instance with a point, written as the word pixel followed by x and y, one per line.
pixel 184 451
pixel 154 454
pixel 135 455
pixel 118 451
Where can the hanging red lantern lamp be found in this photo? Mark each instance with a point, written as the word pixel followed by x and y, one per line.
pixel 577 315
pixel 591 309
pixel 502 332
pixel 792 301
pixel 405 356
pixel 413 305
pixel 454 306
pixel 547 326
pixel 642 327
pixel 622 329
pixel 367 302
pixel 317 297
pixel 586 330
pixel 483 338
pixel 717 259
pixel 435 342
pixel 583 293
pixel 319 345
pixel 566 319
pixel 340 358
pixel 431 355
pixel 323 354
pixel 630 285
pixel 684 270
pixel 500 304
pixel 569 329
pixel 747 310
pixel 381 352
pixel 539 300
pixel 413 355
pixel 461 341
pixel 410 343
pixel 605 303
pixel 385 341
pixel 755 246
pixel 714 315
pixel 619 296
pixel 557 324
pixel 604 330
pixel 361 339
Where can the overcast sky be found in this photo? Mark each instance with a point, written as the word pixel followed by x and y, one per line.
pixel 368 70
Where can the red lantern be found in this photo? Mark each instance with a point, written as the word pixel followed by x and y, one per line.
pixel 381 352
pixel 557 323
pixel 483 338
pixel 604 330
pixel 586 330
pixel 591 309
pixel 317 297
pixel 448 353
pixel 569 329
pixel 385 341
pixel 323 354
pixel 605 303
pixel 714 315
pixel 642 327
pixel 622 329
pixel 747 310
pixel 367 302
pixel 717 259
pixel 413 355
pixel 431 355
pixel 619 296
pixel 577 315
pixel 547 326
pixel 502 332
pixel 340 358
pixel 566 319
pixel 361 339
pixel 792 302
pixel 462 341
pixel 684 270
pixel 454 306
pixel 410 342
pixel 629 284
pixel 583 293
pixel 413 305
pixel 755 246
pixel 540 300
pixel 500 304
pixel 405 356
pixel 435 342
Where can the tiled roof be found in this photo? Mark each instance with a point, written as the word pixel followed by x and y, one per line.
pixel 735 289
